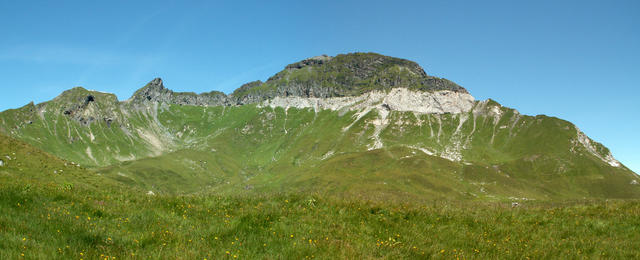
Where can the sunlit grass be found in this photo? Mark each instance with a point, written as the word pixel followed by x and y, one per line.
pixel 45 221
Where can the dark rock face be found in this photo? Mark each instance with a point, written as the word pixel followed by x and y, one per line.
pixel 155 91
pixel 75 110
pixel 293 89
pixel 108 121
pixel 81 105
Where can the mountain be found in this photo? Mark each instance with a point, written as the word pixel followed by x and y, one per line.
pixel 359 124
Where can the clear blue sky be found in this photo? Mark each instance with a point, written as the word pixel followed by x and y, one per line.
pixel 577 60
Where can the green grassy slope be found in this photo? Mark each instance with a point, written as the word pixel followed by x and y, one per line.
pixel 96 133
pixel 21 161
pixel 491 152
pixel 157 142
pixel 503 157
pixel 56 210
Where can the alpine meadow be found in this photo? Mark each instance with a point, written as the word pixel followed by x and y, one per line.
pixel 355 156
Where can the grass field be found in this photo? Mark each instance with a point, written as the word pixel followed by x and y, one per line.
pixel 45 220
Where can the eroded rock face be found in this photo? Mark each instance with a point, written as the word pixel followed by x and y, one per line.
pixel 398 99
pixel 588 144
pixel 82 105
pixel 292 89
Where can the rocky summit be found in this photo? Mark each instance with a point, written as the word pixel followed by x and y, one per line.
pixel 316 77
pixel 360 124
pixel 155 92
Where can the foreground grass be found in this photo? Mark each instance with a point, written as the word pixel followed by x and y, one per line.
pixel 47 221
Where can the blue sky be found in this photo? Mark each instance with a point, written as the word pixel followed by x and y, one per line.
pixel 577 60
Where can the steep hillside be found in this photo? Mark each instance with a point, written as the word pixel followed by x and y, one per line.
pixel 89 127
pixel 355 124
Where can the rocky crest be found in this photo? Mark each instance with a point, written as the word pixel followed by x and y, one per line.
pixel 340 79
pixel 155 91
pixel 322 76
pixel 84 106
pixel 365 77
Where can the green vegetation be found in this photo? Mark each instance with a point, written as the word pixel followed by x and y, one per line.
pixel 41 220
pixel 175 149
pixel 87 176
pixel 54 209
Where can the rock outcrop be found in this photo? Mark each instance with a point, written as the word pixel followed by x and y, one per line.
pixel 342 76
pixel 82 105
pixel 398 99
pixel 155 91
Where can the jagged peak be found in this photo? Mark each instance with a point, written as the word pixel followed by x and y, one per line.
pixel 155 91
pixel 151 91
pixel 156 81
pixel 155 84
pixel 351 74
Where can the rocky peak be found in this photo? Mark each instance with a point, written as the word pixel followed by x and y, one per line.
pixel 154 91
pixel 321 76
pixel 82 105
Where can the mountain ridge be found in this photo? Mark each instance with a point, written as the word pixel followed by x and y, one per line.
pixel 319 132
pixel 367 71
